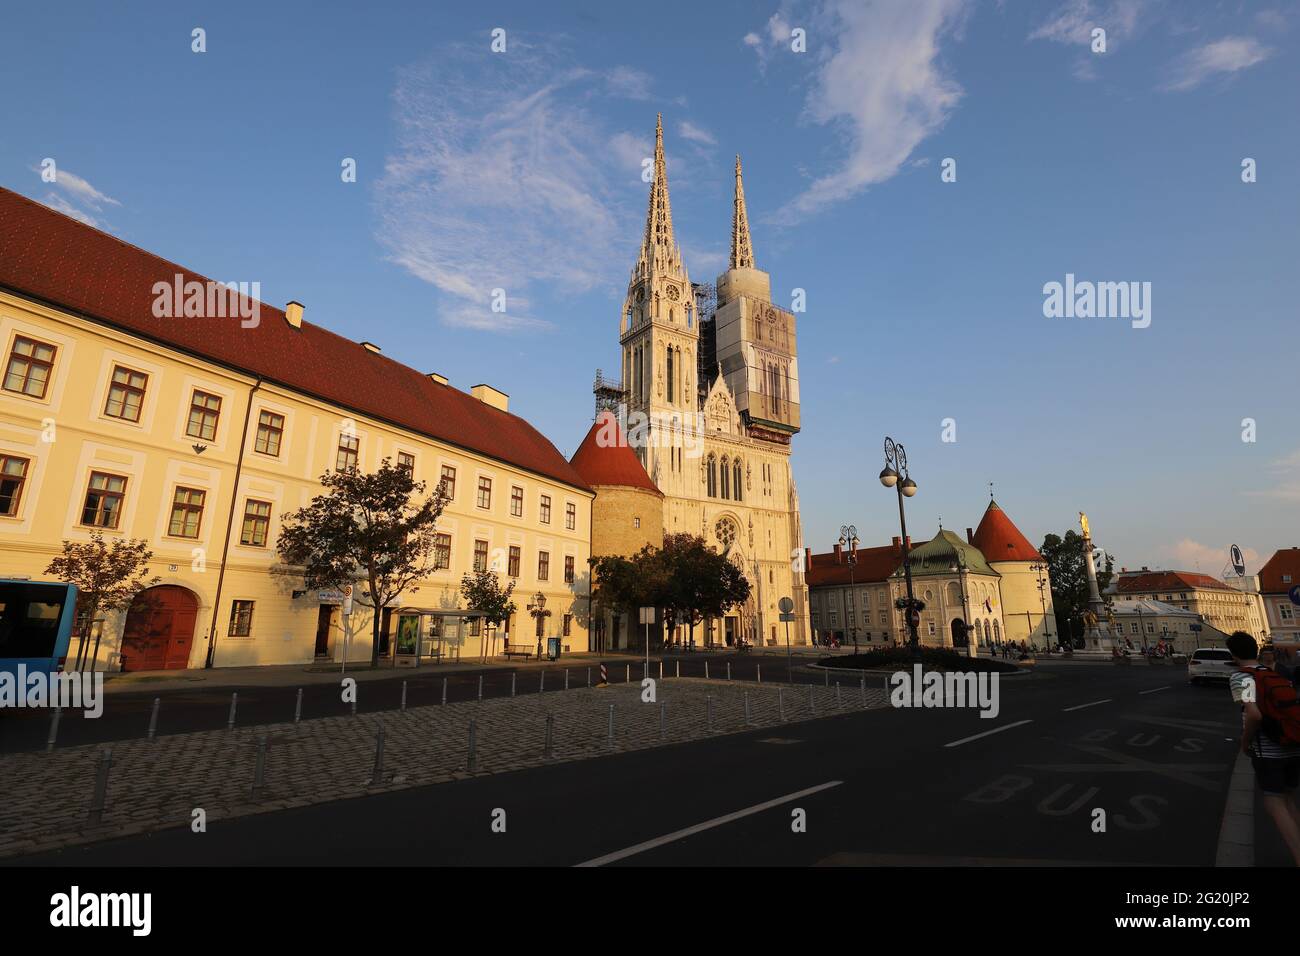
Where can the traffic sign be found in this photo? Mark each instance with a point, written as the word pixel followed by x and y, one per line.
pixel 1294 594
pixel 1238 561
pixel 786 616
pixel 786 605
pixel 647 615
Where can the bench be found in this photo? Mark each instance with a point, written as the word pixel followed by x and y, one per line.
pixel 518 650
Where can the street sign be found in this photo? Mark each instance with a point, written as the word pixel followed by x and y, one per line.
pixel 1294 594
pixel 347 599
pixel 1238 561
pixel 647 615
pixel 786 616
pixel 786 605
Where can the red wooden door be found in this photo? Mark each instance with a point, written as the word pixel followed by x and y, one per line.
pixel 160 630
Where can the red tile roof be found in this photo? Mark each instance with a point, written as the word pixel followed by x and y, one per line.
pixel 874 566
pixel 1000 540
pixel 1153 581
pixel 605 458
pixel 1285 561
pixel 48 256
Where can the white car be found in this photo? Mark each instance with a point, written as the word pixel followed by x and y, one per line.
pixel 1209 663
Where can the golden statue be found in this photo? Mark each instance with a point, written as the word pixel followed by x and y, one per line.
pixel 1083 523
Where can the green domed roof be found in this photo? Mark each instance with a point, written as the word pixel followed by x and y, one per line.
pixel 939 554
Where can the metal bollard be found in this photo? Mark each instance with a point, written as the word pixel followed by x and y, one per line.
pixel 548 752
pixel 234 701
pixel 54 728
pixel 153 718
pixel 513 676
pixel 706 670
pixel 679 668
pixel 377 777
pixel 828 678
pixel 403 705
pixel 259 771
pixel 354 702
pixel 610 732
pixel 661 671
pixel 588 676
pixel 759 668
pixel 297 708
pixel 100 796
pixel 444 692
pixel 838 702
pixel 663 719
pixel 708 705
pixel 747 721
pixel 780 702
pixel 541 688
pixel 480 688
pixel 629 674
pixel 728 670
pixel 566 678
pixel 471 761
pixel 862 685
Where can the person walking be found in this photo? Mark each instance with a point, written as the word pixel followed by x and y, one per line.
pixel 1270 734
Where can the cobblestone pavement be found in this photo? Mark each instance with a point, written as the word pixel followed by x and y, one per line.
pixel 45 799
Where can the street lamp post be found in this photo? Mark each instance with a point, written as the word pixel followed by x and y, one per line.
pixel 1039 567
pixel 849 539
pixel 538 610
pixel 895 475
pixel 960 570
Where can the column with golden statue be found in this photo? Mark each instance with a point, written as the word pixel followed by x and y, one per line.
pixel 1097 635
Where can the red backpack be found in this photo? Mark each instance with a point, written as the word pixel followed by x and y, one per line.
pixel 1278 702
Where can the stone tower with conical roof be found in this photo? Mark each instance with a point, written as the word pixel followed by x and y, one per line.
pixel 717 448
pixel 1027 608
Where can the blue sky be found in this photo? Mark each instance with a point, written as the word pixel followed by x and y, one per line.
pixel 521 170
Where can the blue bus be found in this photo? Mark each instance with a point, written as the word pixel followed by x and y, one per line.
pixel 35 624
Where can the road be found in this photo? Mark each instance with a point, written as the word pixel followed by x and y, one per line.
pixel 896 786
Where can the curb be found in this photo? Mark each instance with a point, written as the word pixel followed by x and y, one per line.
pixel 1236 845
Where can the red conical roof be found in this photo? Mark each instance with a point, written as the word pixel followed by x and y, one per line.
pixel 606 458
pixel 1000 539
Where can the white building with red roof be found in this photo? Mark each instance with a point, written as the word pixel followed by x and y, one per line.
pixel 1279 586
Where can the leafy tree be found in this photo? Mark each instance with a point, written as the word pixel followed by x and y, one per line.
pixel 374 528
pixel 1069 573
pixel 108 578
pixel 485 596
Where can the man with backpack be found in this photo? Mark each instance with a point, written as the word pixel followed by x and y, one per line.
pixel 1270 713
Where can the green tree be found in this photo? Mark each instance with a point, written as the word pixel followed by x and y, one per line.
pixel 1069 573
pixel 375 528
pixel 485 596
pixel 108 578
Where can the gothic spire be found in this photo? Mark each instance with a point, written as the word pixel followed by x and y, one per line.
pixel 659 216
pixel 742 250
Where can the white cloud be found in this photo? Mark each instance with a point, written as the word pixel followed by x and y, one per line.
pixel 705 262
pixel 55 201
pixel 630 151
pixel 76 195
pixel 1189 555
pixel 628 83
pixel 774 35
pixel 881 85
pixel 1228 55
pixel 1073 21
pixel 696 134
pixel 1287 486
pixel 503 181
pixel 82 190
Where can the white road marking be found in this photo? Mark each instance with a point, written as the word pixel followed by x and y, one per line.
pixel 1156 690
pixel 706 825
pixel 1082 706
pixel 995 730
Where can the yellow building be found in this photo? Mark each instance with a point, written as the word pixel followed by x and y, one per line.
pixel 1220 605
pixel 144 401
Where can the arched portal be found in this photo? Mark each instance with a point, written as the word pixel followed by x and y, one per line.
pixel 159 633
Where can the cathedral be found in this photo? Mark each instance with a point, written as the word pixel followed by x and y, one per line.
pixel 709 403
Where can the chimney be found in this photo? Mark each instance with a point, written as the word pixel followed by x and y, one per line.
pixel 293 314
pixel 839 553
pixel 807 559
pixel 970 536
pixel 440 379
pixel 491 396
pixel 898 543
pixel 371 347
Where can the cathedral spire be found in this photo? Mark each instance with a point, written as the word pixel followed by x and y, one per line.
pixel 659 215
pixel 742 250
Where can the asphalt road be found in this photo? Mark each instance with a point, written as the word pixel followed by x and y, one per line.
pixel 896 786
pixel 126 713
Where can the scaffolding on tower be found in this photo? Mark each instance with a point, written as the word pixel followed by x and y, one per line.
pixel 610 394
pixel 706 356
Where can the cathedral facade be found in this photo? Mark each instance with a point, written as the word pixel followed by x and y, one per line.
pixel 709 399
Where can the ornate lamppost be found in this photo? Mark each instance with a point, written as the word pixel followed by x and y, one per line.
pixel 959 568
pixel 1040 567
pixel 538 610
pixel 849 539
pixel 895 475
